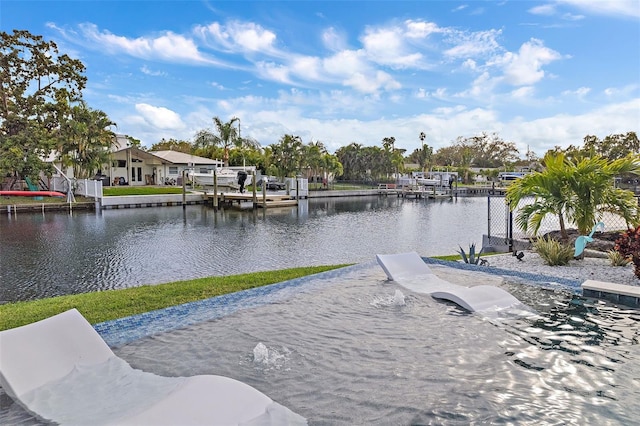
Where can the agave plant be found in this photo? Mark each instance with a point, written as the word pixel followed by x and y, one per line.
pixel 473 258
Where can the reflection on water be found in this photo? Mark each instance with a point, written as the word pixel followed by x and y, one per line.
pixel 54 254
pixel 360 350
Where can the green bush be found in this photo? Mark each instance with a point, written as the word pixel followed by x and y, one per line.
pixel 553 252
pixel 618 259
pixel 628 244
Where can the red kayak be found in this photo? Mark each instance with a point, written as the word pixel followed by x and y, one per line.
pixel 32 194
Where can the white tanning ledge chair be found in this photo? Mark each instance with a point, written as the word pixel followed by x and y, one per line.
pixel 61 370
pixel 411 272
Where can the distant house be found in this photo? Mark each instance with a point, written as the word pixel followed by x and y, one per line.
pixel 176 162
pixel 132 166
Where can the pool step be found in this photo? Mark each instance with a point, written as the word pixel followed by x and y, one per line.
pixel 628 295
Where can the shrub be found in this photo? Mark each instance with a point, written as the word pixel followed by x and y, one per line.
pixel 618 259
pixel 628 245
pixel 472 258
pixel 552 251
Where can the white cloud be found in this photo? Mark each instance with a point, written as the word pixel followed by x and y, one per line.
pixel 481 88
pixel 159 117
pixel 622 8
pixel 470 64
pixel 524 92
pixel 146 70
pixel 564 129
pixel 307 67
pixel 274 72
pixel 420 29
pixel 580 92
pixel 344 63
pixel 472 44
pixel 358 83
pixel 572 17
pixel 626 91
pixel 386 46
pixel 333 40
pixel 169 46
pixel 369 83
pixel 545 9
pixel 525 67
pixel 238 36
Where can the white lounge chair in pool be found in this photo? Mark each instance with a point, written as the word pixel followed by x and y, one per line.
pixel 61 370
pixel 410 271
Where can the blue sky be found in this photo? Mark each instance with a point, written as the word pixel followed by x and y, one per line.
pixel 539 73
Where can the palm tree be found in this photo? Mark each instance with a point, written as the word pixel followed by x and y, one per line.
pixel 313 158
pixel 594 192
pixel 350 157
pixel 86 139
pixel 287 155
pixel 424 154
pixel 578 190
pixel 226 135
pixel 389 144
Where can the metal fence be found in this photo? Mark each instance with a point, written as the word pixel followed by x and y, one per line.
pixel 503 231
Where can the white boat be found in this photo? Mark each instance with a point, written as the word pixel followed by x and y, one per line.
pixel 226 176
pixel 428 182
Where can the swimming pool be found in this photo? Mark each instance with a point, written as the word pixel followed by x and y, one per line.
pixel 354 348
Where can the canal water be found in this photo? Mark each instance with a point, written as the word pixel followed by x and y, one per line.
pixel 51 254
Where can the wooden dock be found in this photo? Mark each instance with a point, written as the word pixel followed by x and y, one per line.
pixel 387 188
pixel 414 191
pixel 262 200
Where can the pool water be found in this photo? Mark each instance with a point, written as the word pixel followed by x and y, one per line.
pixel 360 350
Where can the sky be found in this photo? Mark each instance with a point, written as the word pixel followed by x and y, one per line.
pixel 540 74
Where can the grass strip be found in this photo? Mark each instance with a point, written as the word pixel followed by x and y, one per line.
pixel 112 304
pixel 20 201
pixel 141 190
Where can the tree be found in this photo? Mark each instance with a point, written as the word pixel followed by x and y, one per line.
pixel 243 146
pixel 37 86
pixel 351 158
pixel 254 156
pixel 490 150
pixel 422 155
pixel 137 143
pixel 287 155
pixel 375 163
pixel 612 147
pixel 578 190
pixel 389 145
pixel 225 135
pixel 313 158
pixel 332 165
pixel 173 145
pixel 85 140
pixel 448 156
